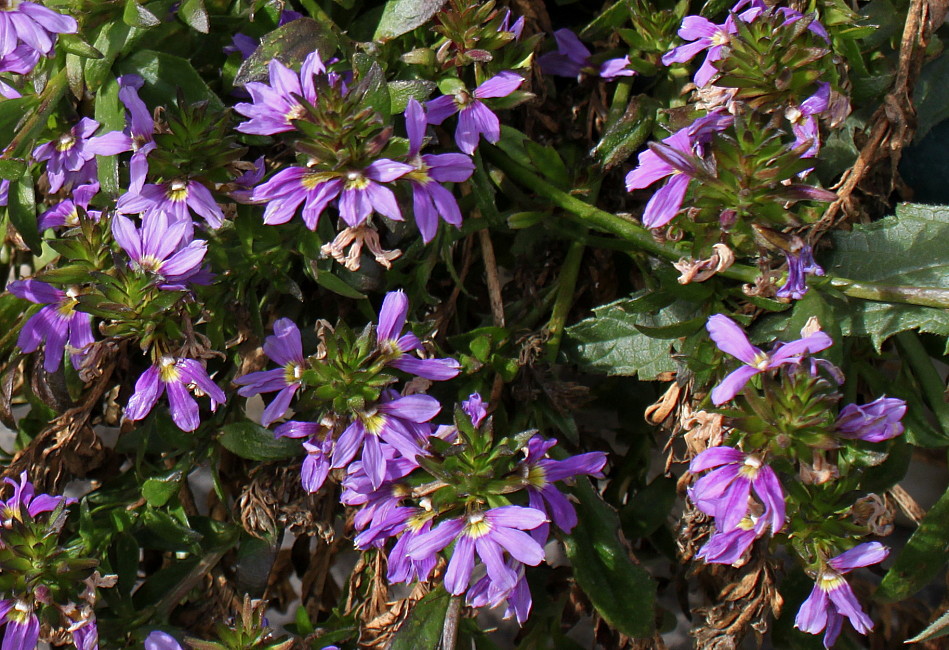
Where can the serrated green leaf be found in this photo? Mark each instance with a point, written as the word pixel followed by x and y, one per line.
pixel 622 591
pixel 254 442
pixel 290 44
pixel 611 340
pixel 936 629
pixel 922 558
pixel 401 16
pixel 422 629
pixel 907 249
pixel 158 490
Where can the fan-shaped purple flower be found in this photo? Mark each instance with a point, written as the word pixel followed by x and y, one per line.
pixel 177 377
pixel 285 348
pixel 474 118
pixel 56 323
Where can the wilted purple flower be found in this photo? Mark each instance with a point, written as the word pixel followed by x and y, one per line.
pixel 516 28
pixel 359 192
pixel 285 348
pixel 391 421
pixel 319 451
pixel 832 598
pixel 22 626
pixel 803 119
pixel 800 264
pixel 542 472
pixel 275 106
pixel 485 593
pixel 724 493
pixel 431 200
pixel 730 338
pixel 874 422
pixel 395 346
pixel 55 323
pixel 140 129
pixel 85 634
pixel 176 376
pixel 246 182
pixel 570 57
pixel 24 497
pixel 474 118
pixel 174 198
pixel 159 247
pixel 475 408
pixel 66 213
pixel 70 159
pixel 32 24
pixel 613 68
pixel 489 533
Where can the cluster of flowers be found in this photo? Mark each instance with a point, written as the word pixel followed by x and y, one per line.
pixel 385 446
pixel 744 495
pixel 40 577
pixel 29 32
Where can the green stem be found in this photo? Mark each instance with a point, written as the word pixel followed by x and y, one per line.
pixel 566 284
pixel 926 374
pixel 50 96
pixel 644 241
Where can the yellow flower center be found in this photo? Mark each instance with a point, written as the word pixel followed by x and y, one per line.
pixel 297 112
pixel 177 191
pixel 829 580
pixel 477 526
pixel 416 521
pixel 463 99
pixel 760 361
pixel 292 372
pixel 168 370
pixel 721 37
pixel 66 142
pixel 746 523
pixel 537 477
pixel 312 179
pixel 150 263
pixel 356 181
pixel 750 467
pixel 373 422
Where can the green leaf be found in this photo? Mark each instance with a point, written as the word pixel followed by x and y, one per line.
pixel 622 591
pixel 615 339
pixel 401 91
pixel 12 169
pixel 922 558
pixel 401 16
pixel 135 15
pixel 936 629
pixel 110 113
pixel 903 250
pixel 254 442
pixel 75 44
pixel 110 41
pixel 158 490
pixel 328 280
pixel 422 629
pixel 164 74
pixel 372 84
pixel 13 112
pixel 624 136
pixel 22 211
pixel 548 162
pixel 289 44
pixel 195 15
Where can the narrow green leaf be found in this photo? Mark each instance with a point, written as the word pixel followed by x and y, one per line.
pixel 624 136
pixel 334 283
pixel 372 84
pixel 922 558
pixel 135 15
pixel 401 16
pixel 936 629
pixel 22 211
pixel 75 44
pixel 290 44
pixel 422 629
pixel 622 591
pixel 548 162
pixel 110 113
pixel 254 442
pixel 195 15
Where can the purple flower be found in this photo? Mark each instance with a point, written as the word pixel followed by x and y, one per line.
pixel 359 193
pixel 803 119
pixel 245 182
pixel 174 198
pixel 874 422
pixel 395 346
pixel 724 493
pixel 731 339
pixel 729 547
pixel 275 106
pixel 542 472
pixel 516 28
pixel 475 408
pixel 613 68
pixel 71 158
pixel 140 129
pixel 570 57
pixel 4 191
pixel 55 323
pixel 832 599
pixel 25 498
pixel 159 248
pixel 177 377
pixel 800 264
pixel 32 24
pixel 21 60
pixel 285 348
pixel 22 629
pixel 318 447
pixel 402 568
pixel 431 200
pixel 392 421
pixel 666 202
pixel 474 118
pixel 66 213
pixel 485 593
pixel 489 534
pixel 158 640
